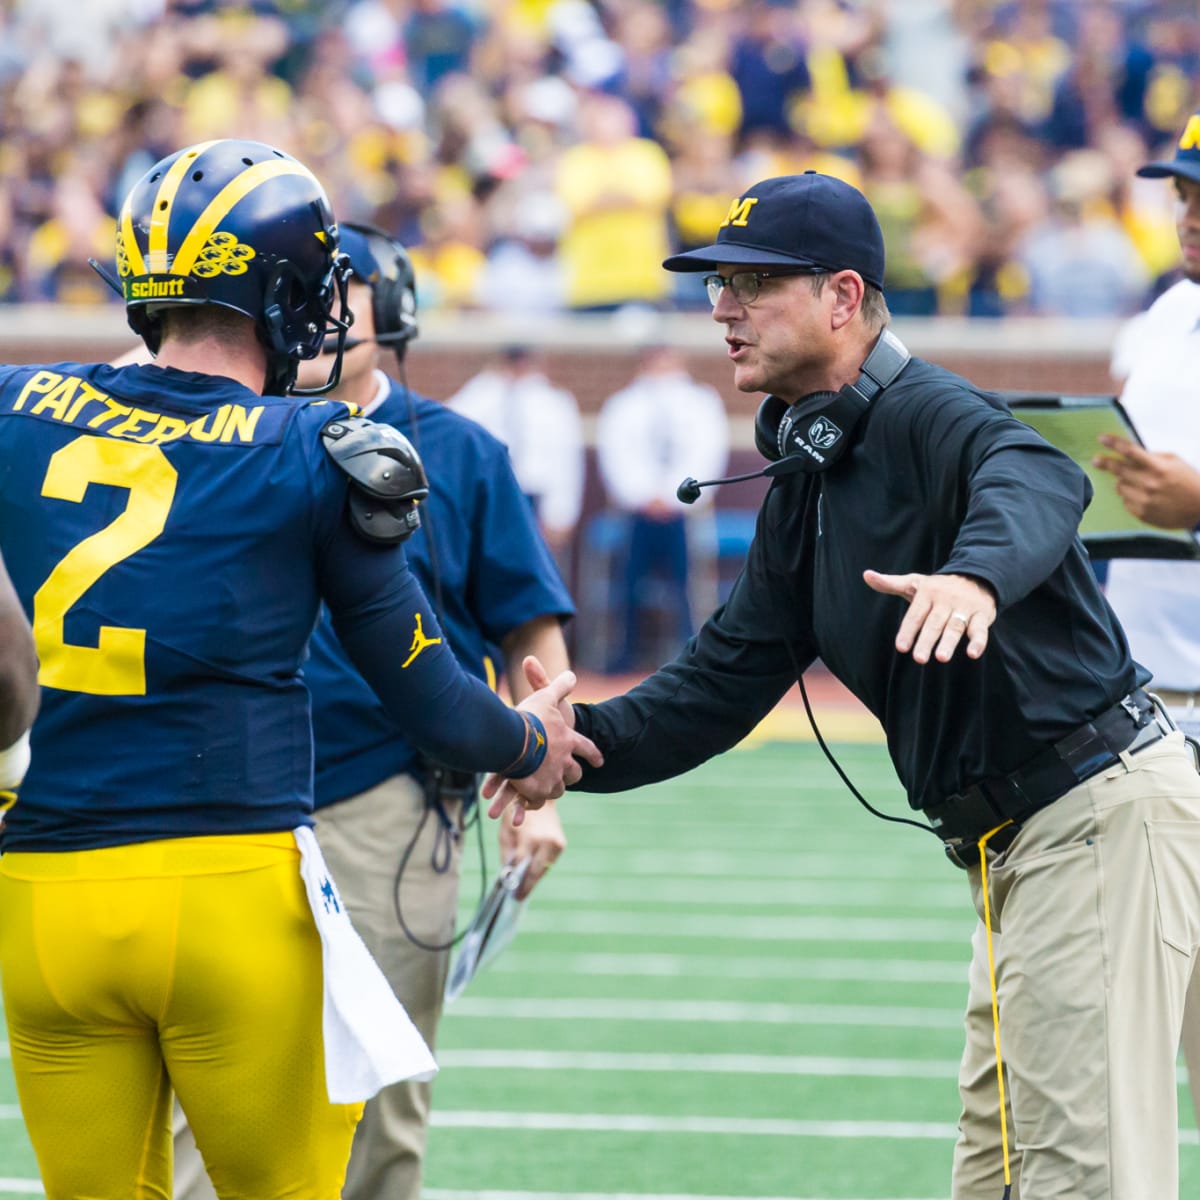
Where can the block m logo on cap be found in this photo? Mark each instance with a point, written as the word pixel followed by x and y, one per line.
pixel 739 213
pixel 1191 134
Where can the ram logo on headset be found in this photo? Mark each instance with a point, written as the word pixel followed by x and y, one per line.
pixel 823 433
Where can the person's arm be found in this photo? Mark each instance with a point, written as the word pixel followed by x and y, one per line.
pixel 540 836
pixel 1155 486
pixel 389 630
pixel 1022 503
pixel 18 684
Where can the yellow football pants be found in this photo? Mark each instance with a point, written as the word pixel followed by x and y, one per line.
pixel 190 964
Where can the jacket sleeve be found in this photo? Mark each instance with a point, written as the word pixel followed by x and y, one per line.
pixel 1018 499
pixel 722 684
pixel 1025 500
pixel 391 634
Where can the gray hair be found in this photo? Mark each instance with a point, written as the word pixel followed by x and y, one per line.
pixel 874 306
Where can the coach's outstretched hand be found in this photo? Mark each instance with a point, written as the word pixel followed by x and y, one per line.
pixel 559 768
pixel 942 610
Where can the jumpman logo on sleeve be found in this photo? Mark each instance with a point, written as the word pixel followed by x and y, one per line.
pixel 419 642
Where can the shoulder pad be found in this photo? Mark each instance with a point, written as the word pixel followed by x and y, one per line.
pixel 386 477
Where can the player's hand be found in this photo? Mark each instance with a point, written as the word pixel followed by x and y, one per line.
pixel 942 609
pixel 1156 487
pixel 559 768
pixel 539 837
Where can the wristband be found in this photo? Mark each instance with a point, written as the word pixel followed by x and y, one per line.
pixel 532 753
pixel 14 762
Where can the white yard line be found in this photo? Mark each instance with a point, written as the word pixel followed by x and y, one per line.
pixel 697 966
pixel 758 863
pixel 582 922
pixel 709 1126
pixel 708 1064
pixel 429 1193
pixel 719 1012
pixel 574 887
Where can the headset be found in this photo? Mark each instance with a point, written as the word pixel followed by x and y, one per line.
pixel 814 433
pixel 393 291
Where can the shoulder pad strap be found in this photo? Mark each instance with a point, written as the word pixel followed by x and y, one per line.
pixel 386 477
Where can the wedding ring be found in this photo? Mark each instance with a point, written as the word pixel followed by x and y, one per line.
pixel 963 617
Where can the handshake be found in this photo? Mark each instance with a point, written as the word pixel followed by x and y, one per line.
pixel 559 769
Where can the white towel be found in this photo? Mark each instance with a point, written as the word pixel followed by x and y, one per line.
pixel 370 1041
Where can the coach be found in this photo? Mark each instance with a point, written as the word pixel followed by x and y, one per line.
pixel 922 542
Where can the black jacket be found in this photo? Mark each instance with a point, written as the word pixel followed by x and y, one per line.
pixel 943 479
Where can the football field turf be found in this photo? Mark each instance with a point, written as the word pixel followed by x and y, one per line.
pixel 737 984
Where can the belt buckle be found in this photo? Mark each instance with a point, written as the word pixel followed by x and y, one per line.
pixel 954 854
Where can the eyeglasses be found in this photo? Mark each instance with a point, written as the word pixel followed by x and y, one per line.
pixel 745 284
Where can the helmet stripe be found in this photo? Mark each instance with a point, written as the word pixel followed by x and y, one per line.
pixel 234 191
pixel 160 213
pixel 137 265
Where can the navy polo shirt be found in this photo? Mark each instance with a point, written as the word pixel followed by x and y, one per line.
pixel 486 573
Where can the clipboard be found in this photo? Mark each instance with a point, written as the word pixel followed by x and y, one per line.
pixel 1108 529
pixel 492 927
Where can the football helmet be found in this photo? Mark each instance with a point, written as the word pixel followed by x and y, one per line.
pixel 243 225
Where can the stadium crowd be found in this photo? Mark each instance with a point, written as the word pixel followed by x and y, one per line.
pixel 544 155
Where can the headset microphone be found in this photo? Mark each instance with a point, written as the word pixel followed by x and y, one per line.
pixel 689 490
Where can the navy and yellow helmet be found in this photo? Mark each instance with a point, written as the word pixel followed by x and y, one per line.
pixel 242 225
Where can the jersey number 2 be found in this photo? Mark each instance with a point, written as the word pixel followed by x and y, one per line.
pixel 116 665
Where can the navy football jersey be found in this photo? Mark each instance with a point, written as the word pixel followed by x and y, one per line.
pixel 170 535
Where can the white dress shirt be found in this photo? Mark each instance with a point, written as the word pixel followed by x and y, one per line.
pixel 1158 602
pixel 541 426
pixel 654 433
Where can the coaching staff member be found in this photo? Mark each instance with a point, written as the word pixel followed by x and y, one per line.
pixel 933 565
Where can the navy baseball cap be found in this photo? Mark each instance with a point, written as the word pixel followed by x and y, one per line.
pixel 1187 156
pixel 808 220
pixel 362 260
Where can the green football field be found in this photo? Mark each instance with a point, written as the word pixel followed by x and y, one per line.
pixel 738 984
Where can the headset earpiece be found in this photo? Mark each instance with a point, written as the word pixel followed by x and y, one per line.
pixel 820 427
pixel 766 427
pixel 393 294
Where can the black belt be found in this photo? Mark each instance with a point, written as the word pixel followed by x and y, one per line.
pixel 962 819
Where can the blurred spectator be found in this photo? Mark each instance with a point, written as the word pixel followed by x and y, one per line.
pixel 524 272
pixel 1012 202
pixel 702 188
pixel 768 65
pixel 438 37
pixel 1080 262
pixel 450 260
pixel 931 224
pixel 240 92
pixel 660 428
pixel 77 229
pixel 1026 47
pixel 1105 84
pixel 643 29
pixel 540 425
pixel 1144 208
pixel 617 190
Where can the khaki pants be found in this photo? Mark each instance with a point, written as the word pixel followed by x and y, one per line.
pixel 1096 924
pixel 362 839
